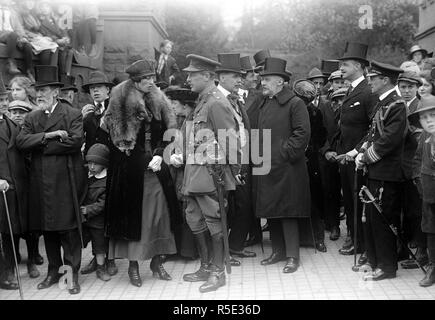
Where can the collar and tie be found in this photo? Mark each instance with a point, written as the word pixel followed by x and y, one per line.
pixel 349 90
pixel 100 109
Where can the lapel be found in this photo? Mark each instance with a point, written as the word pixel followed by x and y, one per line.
pixel 413 106
pixel 357 91
pixel 55 117
pixel 13 129
pixel 4 133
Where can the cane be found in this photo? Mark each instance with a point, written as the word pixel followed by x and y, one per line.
pixel 355 219
pixel 374 201
pixel 13 245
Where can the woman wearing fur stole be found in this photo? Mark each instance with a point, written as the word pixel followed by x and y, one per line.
pixel 141 205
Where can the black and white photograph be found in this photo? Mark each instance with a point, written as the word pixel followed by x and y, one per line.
pixel 237 152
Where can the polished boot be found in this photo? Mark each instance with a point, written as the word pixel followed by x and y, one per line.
pixel 75 289
pixel 216 278
pixel 102 273
pixel 133 273
pixel 156 267
pixel 32 270
pixel 422 259
pixel 204 249
pixel 243 253
pixel 429 278
pixel 91 267
pixel 9 281
pixel 363 259
pixel 52 278
pixel 274 258
pixel 335 233
pixel 112 269
pixel 320 246
pixel 291 265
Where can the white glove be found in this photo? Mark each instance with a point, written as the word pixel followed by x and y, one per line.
pixel 358 161
pixel 155 163
pixel 352 153
pixel 4 185
pixel 176 160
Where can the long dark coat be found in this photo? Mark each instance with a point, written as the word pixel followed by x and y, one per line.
pixel 50 188
pixel 284 192
pixel 13 170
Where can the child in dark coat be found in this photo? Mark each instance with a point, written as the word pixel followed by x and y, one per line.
pixel 93 207
pixel 424 117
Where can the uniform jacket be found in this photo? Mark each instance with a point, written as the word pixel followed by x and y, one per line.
pixel 284 191
pixel 212 113
pixel 54 164
pixel 95 202
pixel 386 138
pixel 354 117
pixel 13 170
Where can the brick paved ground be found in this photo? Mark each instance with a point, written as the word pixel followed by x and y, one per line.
pixel 320 276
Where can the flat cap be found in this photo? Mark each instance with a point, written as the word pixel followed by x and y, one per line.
pixel 410 76
pixel 141 69
pixel 200 63
pixel 339 93
pixel 20 105
pixel 385 69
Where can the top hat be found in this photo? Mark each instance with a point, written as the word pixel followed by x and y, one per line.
pixel 46 76
pixel 355 51
pixel 20 105
pixel 410 76
pixel 260 57
pixel 329 66
pixel 316 73
pixel 230 62
pixel 425 104
pixel 96 78
pixel 246 65
pixel 416 48
pixel 200 63
pixel 141 69
pixel 3 89
pixel 384 69
pixel 276 66
pixel 68 83
pixel 183 95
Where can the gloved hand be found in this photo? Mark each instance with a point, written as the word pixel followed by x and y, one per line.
pixel 176 160
pixel 155 163
pixel 358 161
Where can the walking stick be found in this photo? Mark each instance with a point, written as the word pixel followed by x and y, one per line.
pixel 375 202
pixel 13 245
pixel 75 199
pixel 355 219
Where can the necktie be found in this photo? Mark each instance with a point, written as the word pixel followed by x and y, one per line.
pixel 349 90
pixel 98 112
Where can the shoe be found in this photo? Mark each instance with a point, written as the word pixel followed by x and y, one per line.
pixel 366 267
pixel 39 260
pixel 32 271
pixel 346 251
pixel 291 265
pixel 274 258
pixel 265 228
pixel 429 278
pixel 235 262
pixel 51 279
pixel 156 267
pixel 378 275
pixel 252 241
pixel 91 267
pixel 12 67
pixel 8 285
pixel 320 246
pixel 111 267
pixel 214 281
pixel 75 289
pixel 422 259
pixel 335 233
pixel 102 273
pixel 243 254
pixel 133 273
pixel 201 274
pixel 363 259
pixel 348 242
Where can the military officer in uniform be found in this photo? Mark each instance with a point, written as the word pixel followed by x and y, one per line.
pixel 381 154
pixel 212 113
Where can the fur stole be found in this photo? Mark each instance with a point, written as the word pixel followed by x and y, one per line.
pixel 128 107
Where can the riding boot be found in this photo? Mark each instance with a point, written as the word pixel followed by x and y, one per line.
pixel 216 278
pixel 203 243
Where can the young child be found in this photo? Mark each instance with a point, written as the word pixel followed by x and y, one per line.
pixel 424 117
pixel 93 206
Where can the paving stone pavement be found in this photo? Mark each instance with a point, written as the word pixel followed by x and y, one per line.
pixel 321 276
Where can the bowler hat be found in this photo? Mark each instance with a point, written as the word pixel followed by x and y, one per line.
pixel 97 78
pixel 410 76
pixel 425 104
pixel 246 65
pixel 200 63
pixel 355 51
pixel 384 69
pixel 183 95
pixel 329 66
pixel 141 69
pixel 46 76
pixel 260 57
pixel 68 83
pixel 316 73
pixel 98 153
pixel 416 48
pixel 230 62
pixel 3 89
pixel 276 66
pixel 20 105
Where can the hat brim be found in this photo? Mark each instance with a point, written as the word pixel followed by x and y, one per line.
pixel 193 69
pixel 421 50
pixel 318 76
pixel 48 84
pixel 414 118
pixel 355 58
pixel 286 76
pixel 230 71
pixel 86 86
pixel 415 81
pixel 69 88
pixel 20 108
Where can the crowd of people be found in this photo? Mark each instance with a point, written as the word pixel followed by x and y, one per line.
pixel 108 173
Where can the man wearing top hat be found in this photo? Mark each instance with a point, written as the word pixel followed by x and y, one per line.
pixel 283 194
pixel 249 91
pixel 98 87
pixel 213 113
pixel 381 154
pixel 53 136
pixel 240 204
pixel 353 126
pixel 408 84
pixel 69 90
